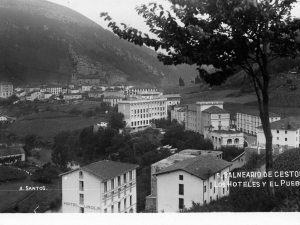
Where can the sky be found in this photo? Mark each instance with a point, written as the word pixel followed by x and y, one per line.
pixel 122 11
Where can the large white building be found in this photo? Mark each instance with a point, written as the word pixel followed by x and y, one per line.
pixel 207 115
pixel 6 89
pixel 100 187
pixel 151 200
pixel 200 179
pixel 285 132
pixel 248 120
pixel 139 113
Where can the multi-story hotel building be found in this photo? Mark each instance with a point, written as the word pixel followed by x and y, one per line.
pixel 100 187
pixel 200 179
pixel 248 121
pixel 139 113
pixel 6 89
pixel 285 132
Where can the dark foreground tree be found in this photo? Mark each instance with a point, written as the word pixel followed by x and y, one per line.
pixel 246 34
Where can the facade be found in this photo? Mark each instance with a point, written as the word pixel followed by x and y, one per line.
pixel 6 89
pixel 151 200
pixel 248 121
pixel 172 99
pixel 12 152
pixel 73 96
pixel 149 95
pixel 178 113
pixel 33 95
pixel 227 138
pixel 285 132
pixel 112 100
pixel 135 90
pixel 191 118
pixel 85 88
pixel 55 90
pixel 139 113
pixel 95 94
pixel 201 179
pixel 100 187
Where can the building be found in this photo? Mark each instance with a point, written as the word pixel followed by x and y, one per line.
pixel 191 118
pixel 55 90
pixel 172 99
pixel 34 95
pixel 201 179
pixel 8 152
pixel 227 138
pixel 7 119
pixel 101 187
pixel 178 113
pixel 285 132
pixel 175 158
pixel 248 120
pixel 47 95
pixel 95 94
pixel 139 113
pixel 72 96
pixel 85 88
pixel 149 95
pixel 112 92
pixel 6 89
pixel 112 100
pixel 135 90
pixel 20 93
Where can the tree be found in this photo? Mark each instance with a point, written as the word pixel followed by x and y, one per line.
pixel 228 35
pixel 181 82
pixel 116 120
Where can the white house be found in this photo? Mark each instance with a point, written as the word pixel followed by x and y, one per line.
pixel 101 187
pixel 200 179
pixel 248 120
pixel 285 132
pixel 73 96
pixel 227 138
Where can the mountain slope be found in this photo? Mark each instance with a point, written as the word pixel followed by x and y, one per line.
pixel 44 42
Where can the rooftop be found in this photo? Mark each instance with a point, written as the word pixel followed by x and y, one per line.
pixel 255 112
pixel 289 123
pixel 11 151
pixel 192 107
pixel 106 169
pixel 202 166
pixel 182 155
pixel 215 110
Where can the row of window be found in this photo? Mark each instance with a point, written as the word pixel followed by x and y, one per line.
pixel 119 182
pixel 119 205
pixel 119 193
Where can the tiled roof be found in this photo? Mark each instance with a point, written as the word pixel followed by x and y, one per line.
pixel 106 170
pixel 215 110
pixel 11 151
pixel 202 166
pixel 289 123
pixel 192 107
pixel 255 112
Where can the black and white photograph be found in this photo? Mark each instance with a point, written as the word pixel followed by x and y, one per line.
pixel 150 106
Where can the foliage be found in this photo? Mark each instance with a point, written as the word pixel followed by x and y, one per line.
pixel 11 160
pixel 9 174
pixel 230 152
pixel 116 120
pixel 45 174
pixel 181 82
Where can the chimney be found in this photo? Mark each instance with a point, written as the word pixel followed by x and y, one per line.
pixel 289 125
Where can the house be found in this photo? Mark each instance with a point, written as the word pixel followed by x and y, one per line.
pixel 95 94
pixel 178 113
pixel 112 100
pixel 139 113
pixel 149 95
pixel 6 89
pixel 227 138
pixel 85 88
pixel 72 96
pixel 285 132
pixel 101 187
pixel 8 152
pixel 172 99
pixel 248 120
pixel 151 200
pixel 33 95
pixel 20 93
pixel 201 179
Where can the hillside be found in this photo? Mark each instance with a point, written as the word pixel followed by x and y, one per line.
pixel 45 42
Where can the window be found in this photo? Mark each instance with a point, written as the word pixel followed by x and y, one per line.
pixel 81 210
pixel 125 189
pixel 119 192
pixel 181 203
pixel 105 197
pixel 81 186
pixel 214 176
pixel 81 199
pixel 112 209
pixel 119 206
pixel 219 116
pixel 112 196
pixel 105 186
pixel 130 186
pixel 130 173
pixel 205 188
pixel 181 189
pixel 80 175
pixel 130 200
pixel 105 210
pixel 180 177
pixel 277 138
pixel 124 178
pixel 277 131
pixel 223 190
pixel 223 177
pixel 125 203
pixel 112 184
pixel 214 190
pixel 285 132
pixel 285 139
pixel 119 181
pixel 210 199
pixel 205 202
pixel 210 185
